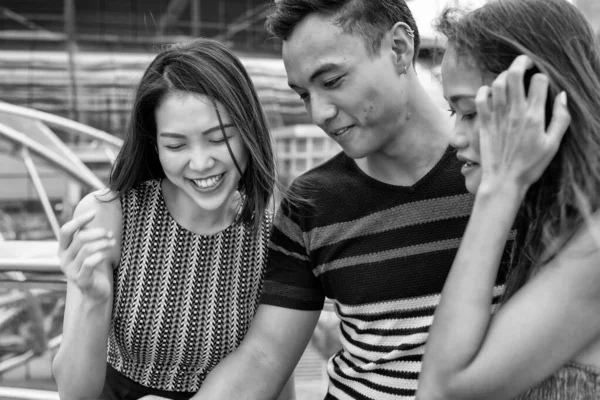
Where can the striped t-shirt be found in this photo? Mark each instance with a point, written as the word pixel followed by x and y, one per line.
pixel 381 253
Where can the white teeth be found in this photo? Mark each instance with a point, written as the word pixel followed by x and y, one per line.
pixel 208 183
pixel 341 131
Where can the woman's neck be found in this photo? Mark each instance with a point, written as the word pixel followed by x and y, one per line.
pixel 192 217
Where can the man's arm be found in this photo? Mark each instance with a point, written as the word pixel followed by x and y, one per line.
pixel 259 368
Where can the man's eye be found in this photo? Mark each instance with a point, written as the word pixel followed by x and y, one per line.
pixel 332 82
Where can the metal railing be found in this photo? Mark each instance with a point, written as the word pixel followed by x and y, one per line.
pixel 30 270
pixel 11 393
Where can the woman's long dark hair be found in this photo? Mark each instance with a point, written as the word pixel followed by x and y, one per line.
pixel 205 67
pixel 561 43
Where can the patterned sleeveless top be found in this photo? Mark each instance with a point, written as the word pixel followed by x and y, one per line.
pixel 572 381
pixel 182 301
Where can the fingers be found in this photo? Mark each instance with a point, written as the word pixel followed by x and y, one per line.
pixel 508 90
pixel 93 247
pixel 486 116
pixel 70 228
pixel 84 278
pixel 515 79
pixel 482 103
pixel 561 118
pixel 80 239
pixel 538 92
pixel 499 91
pixel 88 258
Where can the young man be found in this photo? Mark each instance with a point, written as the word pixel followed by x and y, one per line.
pixel 379 224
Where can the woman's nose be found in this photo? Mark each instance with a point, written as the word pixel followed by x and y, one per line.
pixel 201 160
pixel 458 138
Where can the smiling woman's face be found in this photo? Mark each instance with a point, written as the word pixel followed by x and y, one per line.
pixel 461 80
pixel 193 152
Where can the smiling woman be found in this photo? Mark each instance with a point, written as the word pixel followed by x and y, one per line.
pixel 165 269
pixel 203 160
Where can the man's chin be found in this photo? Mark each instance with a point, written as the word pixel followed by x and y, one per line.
pixel 355 153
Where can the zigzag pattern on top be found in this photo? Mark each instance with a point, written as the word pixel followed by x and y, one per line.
pixel 182 301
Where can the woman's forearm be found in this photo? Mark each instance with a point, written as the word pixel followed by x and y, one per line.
pixel 462 317
pixel 80 364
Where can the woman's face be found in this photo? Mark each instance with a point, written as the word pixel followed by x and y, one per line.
pixel 193 152
pixel 460 81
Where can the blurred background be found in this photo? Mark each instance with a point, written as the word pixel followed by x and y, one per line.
pixel 68 69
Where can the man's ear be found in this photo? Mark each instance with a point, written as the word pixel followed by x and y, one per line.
pixel 402 42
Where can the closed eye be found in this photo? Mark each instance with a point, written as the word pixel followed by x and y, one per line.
pixel 330 84
pixel 220 141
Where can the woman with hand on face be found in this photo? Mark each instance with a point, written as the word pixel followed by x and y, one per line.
pixel 527 152
pixel 164 269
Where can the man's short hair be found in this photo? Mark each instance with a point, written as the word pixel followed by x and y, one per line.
pixel 370 19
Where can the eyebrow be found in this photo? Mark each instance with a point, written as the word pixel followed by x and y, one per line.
pixel 323 69
pixel 180 136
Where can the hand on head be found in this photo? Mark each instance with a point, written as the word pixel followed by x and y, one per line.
pixel 516 146
pixel 82 252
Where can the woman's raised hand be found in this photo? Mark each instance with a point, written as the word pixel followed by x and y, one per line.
pixel 515 145
pixel 82 252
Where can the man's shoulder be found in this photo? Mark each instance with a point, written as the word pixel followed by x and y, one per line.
pixel 445 178
pixel 326 177
pixel 334 165
pixel 321 191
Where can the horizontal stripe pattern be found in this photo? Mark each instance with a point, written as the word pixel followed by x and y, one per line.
pixel 387 255
pixel 383 345
pixel 382 254
pixel 403 215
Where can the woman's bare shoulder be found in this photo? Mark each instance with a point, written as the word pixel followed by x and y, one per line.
pixel 107 206
pixel 586 241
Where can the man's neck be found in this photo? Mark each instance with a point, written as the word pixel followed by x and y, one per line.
pixel 421 142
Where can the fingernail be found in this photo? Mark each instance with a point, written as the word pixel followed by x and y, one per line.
pixel 109 234
pixel 90 214
pixel 563 98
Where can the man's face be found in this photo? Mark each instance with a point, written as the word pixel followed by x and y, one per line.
pixel 354 97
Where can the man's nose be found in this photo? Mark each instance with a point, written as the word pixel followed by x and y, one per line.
pixel 321 110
